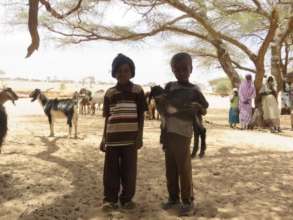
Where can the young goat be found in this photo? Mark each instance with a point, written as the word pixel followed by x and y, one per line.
pixel 5 95
pixel 171 104
pixel 152 113
pixel 58 108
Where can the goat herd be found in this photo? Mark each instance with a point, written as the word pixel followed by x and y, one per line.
pixel 82 102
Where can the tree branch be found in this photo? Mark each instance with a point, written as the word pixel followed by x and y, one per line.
pixel 56 14
pixel 33 21
pixel 33 27
pixel 240 45
pixel 91 35
pixel 269 37
pixel 260 9
pixel 237 65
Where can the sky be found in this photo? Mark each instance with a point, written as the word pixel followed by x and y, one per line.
pixel 89 59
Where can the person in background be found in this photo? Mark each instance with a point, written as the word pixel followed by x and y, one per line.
pixel 234 109
pixel 269 101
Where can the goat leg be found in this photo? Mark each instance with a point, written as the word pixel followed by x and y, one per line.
pixel 203 144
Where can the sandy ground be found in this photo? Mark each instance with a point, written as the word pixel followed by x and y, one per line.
pixel 245 175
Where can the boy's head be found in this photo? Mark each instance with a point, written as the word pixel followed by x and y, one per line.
pixel 181 64
pixel 123 68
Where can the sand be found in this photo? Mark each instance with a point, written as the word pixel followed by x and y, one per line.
pixel 245 174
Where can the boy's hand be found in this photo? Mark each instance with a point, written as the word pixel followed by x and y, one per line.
pixel 197 108
pixel 138 142
pixel 103 146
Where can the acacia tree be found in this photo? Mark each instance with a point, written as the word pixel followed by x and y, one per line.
pixel 281 48
pixel 79 29
pixel 201 20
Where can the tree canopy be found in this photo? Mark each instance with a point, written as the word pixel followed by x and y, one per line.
pixel 236 34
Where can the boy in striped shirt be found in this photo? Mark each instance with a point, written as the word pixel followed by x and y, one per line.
pixel 124 107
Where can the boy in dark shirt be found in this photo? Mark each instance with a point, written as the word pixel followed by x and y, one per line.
pixel 124 106
pixel 178 134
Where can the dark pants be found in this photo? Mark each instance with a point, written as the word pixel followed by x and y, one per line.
pixel 178 167
pixel 120 168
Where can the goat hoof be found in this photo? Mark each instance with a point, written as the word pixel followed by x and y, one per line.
pixel 201 155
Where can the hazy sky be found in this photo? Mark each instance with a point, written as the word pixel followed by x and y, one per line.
pixel 89 59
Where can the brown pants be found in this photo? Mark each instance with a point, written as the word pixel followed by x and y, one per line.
pixel 120 168
pixel 178 167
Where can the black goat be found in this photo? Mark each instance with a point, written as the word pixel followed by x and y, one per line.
pixel 5 95
pixel 58 108
pixel 177 103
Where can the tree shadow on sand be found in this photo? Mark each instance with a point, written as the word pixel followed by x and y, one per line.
pixel 229 183
pixel 252 184
pixel 7 190
pixel 77 204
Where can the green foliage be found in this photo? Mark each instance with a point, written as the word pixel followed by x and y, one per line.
pixel 62 86
pixel 221 86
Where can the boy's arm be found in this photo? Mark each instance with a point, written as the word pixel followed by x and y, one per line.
pixel 102 144
pixel 201 100
pixel 141 108
pixel 106 113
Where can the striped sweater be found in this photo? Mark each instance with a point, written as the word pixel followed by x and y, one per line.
pixel 122 106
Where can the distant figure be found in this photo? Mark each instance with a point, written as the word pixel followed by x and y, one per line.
pixel 234 109
pixel 271 114
pixel 246 94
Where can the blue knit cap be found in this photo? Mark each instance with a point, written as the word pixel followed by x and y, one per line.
pixel 119 60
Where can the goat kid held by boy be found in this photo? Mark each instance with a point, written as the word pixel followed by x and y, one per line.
pixel 58 108
pixel 178 104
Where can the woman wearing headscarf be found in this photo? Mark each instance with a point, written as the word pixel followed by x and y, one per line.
pixel 271 114
pixel 246 94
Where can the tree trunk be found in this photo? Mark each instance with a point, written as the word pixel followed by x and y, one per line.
pixel 226 63
pixel 275 66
